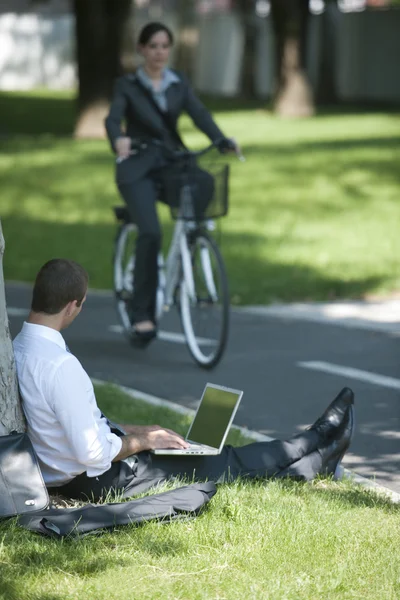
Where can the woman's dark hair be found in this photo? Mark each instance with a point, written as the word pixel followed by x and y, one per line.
pixel 58 282
pixel 151 29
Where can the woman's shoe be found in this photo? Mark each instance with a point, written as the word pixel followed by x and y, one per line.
pixel 141 338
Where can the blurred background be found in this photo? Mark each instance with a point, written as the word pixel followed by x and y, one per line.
pixel 349 49
pixel 310 89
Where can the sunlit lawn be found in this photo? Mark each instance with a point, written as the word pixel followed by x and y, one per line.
pixel 315 211
pixel 266 540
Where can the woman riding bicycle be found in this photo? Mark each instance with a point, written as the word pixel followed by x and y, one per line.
pixel 146 106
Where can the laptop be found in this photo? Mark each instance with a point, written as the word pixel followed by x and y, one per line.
pixel 211 423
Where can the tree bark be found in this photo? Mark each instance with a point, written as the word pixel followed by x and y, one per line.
pixel 293 96
pixel 11 416
pixel 326 92
pixel 186 39
pixel 246 11
pixel 100 34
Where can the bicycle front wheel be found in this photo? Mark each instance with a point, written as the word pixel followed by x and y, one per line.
pixel 204 302
pixel 123 271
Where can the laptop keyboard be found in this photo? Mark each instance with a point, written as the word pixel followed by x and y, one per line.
pixel 194 449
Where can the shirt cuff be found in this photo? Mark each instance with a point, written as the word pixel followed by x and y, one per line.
pixel 116 444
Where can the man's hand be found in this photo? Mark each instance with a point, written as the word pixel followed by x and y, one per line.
pixel 123 147
pixel 148 437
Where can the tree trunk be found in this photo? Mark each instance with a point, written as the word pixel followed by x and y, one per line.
pixel 293 95
pixel 248 78
pixel 187 37
pixel 100 32
pixel 11 416
pixel 326 92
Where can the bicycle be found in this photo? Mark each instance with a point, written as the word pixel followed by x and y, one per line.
pixel 193 276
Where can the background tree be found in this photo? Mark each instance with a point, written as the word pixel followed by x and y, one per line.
pixel 246 10
pixel 101 30
pixel 326 92
pixel 293 95
pixel 11 416
pixel 100 36
pixel 186 38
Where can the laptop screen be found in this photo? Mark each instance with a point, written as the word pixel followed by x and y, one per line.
pixel 214 416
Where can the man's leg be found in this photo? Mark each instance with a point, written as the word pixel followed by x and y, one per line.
pixel 258 460
pixel 90 489
pixel 318 449
pixel 326 459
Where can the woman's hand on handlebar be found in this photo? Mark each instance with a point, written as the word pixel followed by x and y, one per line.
pixel 230 145
pixel 123 147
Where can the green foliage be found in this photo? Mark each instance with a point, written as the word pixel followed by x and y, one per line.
pixel 314 210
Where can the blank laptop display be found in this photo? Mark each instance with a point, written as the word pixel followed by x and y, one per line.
pixel 212 421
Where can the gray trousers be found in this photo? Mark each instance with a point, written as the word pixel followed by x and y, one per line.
pixel 297 457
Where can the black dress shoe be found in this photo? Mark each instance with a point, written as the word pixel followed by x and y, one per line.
pixel 141 339
pixel 327 424
pixel 333 452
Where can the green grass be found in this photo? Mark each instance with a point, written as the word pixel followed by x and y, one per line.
pixel 315 210
pixel 265 540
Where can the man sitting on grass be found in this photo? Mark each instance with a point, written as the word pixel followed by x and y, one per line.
pixel 83 456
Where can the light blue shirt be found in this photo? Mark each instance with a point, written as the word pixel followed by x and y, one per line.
pixel 168 78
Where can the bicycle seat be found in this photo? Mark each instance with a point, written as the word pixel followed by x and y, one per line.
pixel 122 214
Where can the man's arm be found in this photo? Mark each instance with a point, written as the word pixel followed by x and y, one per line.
pixel 148 437
pixel 72 397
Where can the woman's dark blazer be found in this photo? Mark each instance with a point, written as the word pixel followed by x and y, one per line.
pixel 132 106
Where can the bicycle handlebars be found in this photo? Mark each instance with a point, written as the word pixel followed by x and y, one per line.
pixel 138 145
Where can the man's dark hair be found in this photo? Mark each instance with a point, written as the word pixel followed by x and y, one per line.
pixel 151 29
pixel 58 282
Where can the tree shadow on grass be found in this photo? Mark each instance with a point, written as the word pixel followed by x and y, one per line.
pixel 349 494
pixel 54 113
pixel 75 183
pixel 30 243
pixel 33 556
pixel 355 496
pixel 31 114
pixel 305 161
pixel 253 279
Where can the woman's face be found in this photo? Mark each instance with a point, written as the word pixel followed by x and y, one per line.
pixel 156 51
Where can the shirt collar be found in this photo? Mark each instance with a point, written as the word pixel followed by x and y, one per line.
pixel 168 78
pixel 44 332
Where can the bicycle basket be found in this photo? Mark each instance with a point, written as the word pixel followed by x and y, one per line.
pixel 198 194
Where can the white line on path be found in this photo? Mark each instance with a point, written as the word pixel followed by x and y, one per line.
pixel 254 435
pixel 17 312
pixel 168 336
pixel 368 376
pixel 165 336
pixel 374 316
pixel 155 401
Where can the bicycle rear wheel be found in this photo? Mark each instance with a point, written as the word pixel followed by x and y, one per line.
pixel 123 270
pixel 205 308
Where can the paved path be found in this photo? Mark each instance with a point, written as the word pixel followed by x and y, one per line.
pixel 290 362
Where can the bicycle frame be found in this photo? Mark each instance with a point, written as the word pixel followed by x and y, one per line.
pixel 178 247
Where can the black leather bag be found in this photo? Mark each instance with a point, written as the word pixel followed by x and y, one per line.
pixel 22 489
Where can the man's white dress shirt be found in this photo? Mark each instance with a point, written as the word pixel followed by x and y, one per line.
pixel 65 425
